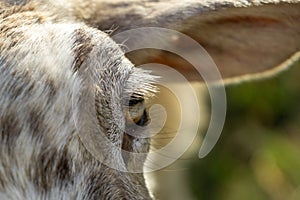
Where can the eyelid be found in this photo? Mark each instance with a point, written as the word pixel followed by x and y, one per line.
pixel 135 100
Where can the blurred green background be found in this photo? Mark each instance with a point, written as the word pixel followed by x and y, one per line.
pixel 258 154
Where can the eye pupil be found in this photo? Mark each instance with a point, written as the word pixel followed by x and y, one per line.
pixel 143 120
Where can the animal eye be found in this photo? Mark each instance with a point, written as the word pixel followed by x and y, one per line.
pixel 135 100
pixel 137 111
pixel 144 119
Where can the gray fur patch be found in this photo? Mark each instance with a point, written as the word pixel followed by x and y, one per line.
pixel 82 47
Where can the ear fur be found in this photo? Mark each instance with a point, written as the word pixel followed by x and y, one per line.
pixel 246 39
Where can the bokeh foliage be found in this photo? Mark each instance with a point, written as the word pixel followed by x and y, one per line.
pixel 258 154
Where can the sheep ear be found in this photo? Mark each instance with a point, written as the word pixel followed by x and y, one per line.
pixel 246 40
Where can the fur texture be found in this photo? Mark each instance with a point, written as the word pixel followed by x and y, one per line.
pixel 41 62
pixel 57 69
